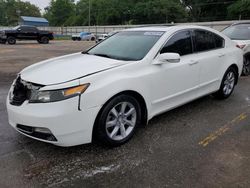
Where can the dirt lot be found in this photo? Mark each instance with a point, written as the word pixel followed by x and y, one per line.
pixel 202 144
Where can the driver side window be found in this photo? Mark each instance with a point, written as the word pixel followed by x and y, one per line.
pixel 180 43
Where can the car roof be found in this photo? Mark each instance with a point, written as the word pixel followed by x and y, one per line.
pixel 27 26
pixel 167 28
pixel 241 23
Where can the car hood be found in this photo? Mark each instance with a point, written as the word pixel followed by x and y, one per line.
pixel 67 68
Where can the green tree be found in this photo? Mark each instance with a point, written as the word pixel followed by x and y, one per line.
pixel 60 12
pixel 239 9
pixel 11 10
pixel 3 16
pixel 207 10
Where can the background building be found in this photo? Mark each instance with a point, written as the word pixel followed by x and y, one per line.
pixel 34 21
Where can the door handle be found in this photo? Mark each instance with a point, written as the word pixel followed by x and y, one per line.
pixel 192 62
pixel 222 55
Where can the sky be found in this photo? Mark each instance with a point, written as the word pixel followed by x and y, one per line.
pixel 40 3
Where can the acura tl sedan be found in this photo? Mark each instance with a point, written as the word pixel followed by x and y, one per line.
pixel 106 92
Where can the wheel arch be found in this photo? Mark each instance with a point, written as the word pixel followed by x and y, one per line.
pixel 134 94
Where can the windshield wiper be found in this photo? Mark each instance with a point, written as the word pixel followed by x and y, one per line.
pixel 85 52
pixel 103 55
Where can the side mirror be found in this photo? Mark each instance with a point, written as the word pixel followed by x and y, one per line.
pixel 168 58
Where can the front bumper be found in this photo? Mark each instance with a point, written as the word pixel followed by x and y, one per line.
pixel 67 124
pixel 3 38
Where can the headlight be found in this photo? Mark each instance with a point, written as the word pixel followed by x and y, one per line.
pixel 56 95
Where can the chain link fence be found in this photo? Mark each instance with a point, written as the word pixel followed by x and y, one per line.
pixel 97 30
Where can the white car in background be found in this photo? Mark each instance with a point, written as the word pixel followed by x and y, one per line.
pixel 108 91
pixel 83 36
pixel 240 33
pixel 102 37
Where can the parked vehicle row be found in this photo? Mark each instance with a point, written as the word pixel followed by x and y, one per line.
pixel 25 33
pixel 108 91
pixel 240 33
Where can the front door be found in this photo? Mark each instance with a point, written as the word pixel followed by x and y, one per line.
pixel 174 84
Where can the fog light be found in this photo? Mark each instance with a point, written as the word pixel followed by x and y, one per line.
pixel 42 130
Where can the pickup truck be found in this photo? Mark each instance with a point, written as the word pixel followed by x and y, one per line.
pixel 25 33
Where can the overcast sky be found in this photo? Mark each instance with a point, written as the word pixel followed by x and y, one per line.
pixel 40 3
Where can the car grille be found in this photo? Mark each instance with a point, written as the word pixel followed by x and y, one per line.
pixel 20 93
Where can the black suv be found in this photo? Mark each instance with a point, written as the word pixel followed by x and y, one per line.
pixel 25 33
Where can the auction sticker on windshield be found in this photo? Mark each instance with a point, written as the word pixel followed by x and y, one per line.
pixel 154 33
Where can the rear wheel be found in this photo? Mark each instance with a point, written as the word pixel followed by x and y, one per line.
pixel 118 120
pixel 44 40
pixel 93 38
pixel 246 67
pixel 228 83
pixel 11 40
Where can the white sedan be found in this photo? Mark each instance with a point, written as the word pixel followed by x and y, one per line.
pixel 105 93
pixel 240 33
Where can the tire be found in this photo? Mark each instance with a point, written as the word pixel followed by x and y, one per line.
pixel 118 121
pixel 228 84
pixel 74 39
pixel 39 41
pixel 92 39
pixel 44 40
pixel 11 40
pixel 79 39
pixel 246 67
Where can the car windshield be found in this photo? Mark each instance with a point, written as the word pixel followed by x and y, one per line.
pixel 127 45
pixel 238 32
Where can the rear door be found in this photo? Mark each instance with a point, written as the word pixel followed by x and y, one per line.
pixel 210 54
pixel 32 33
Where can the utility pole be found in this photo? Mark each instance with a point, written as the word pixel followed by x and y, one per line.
pixel 242 2
pixel 89 14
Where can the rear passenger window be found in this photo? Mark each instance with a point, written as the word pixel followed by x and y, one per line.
pixel 219 41
pixel 180 43
pixel 205 41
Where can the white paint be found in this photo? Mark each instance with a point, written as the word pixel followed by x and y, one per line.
pixel 163 86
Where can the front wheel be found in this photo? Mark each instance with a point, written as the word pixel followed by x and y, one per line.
pixel 118 121
pixel 228 83
pixel 11 40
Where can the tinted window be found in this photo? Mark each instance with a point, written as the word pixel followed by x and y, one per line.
pixel 28 29
pixel 204 41
pixel 180 43
pixel 238 32
pixel 219 41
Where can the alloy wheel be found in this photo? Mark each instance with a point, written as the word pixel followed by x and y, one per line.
pixel 229 83
pixel 121 121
